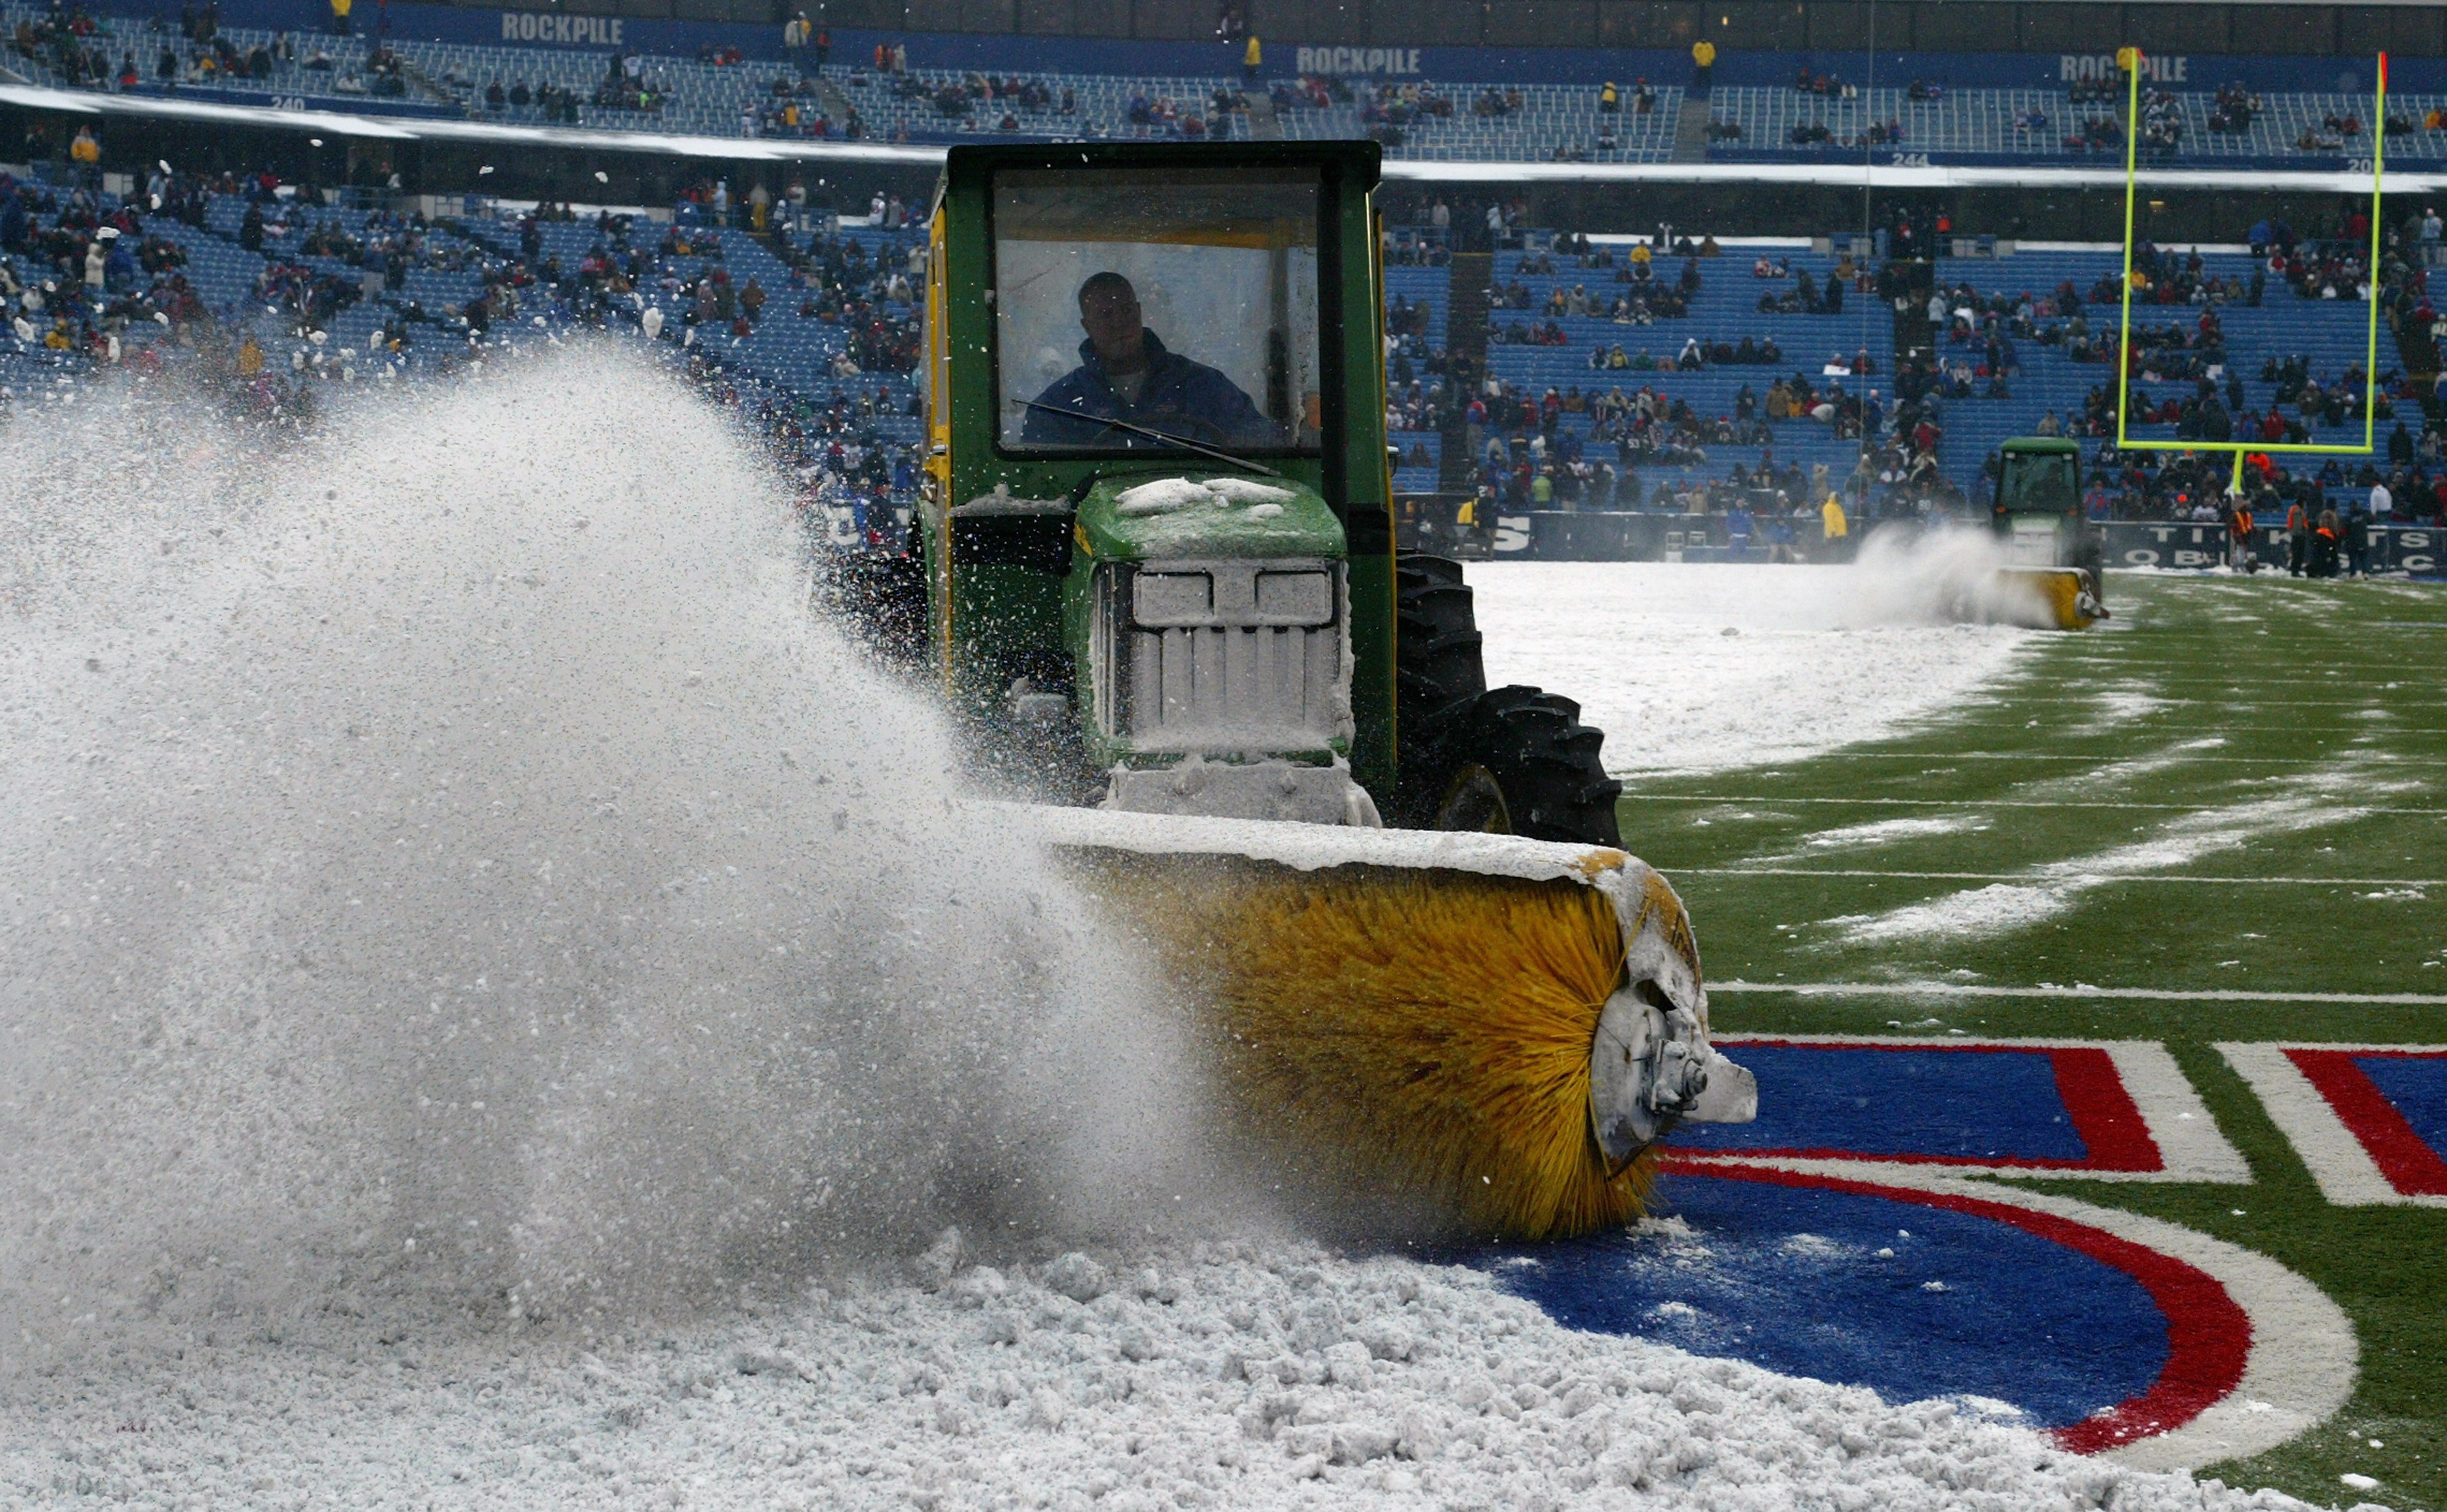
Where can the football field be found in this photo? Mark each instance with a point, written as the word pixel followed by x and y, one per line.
pixel 2213 827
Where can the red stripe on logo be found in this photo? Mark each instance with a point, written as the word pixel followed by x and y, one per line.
pixel 2103 1112
pixel 2401 1154
pixel 2208 1334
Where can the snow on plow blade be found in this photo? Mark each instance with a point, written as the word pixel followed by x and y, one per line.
pixel 1489 1030
pixel 2052 598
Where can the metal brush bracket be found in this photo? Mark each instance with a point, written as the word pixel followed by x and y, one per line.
pixel 1651 1067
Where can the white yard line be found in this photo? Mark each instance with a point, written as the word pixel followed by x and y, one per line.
pixel 2080 990
pixel 2345 1170
pixel 2100 878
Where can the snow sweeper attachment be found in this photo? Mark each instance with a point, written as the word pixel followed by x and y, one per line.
pixel 1488 1033
pixel 1153 572
pixel 2054 556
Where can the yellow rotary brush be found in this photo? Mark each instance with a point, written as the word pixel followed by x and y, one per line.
pixel 1484 1031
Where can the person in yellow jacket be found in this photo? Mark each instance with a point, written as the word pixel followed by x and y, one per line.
pixel 1836 529
pixel 340 17
pixel 1610 101
pixel 86 148
pixel 1703 56
pixel 249 358
pixel 1253 57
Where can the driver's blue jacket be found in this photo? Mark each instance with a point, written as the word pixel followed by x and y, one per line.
pixel 1179 398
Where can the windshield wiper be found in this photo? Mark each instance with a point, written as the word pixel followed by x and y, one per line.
pixel 1200 448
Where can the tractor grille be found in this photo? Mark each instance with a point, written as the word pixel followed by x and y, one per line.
pixel 1222 654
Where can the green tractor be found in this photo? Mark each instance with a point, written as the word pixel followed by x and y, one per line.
pixel 1155 542
pixel 1153 572
pixel 2049 548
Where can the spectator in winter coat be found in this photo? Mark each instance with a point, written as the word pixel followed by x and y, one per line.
pixel 2327 538
pixel 2298 537
pixel 2239 526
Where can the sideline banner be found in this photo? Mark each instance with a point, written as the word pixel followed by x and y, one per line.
pixel 2135 543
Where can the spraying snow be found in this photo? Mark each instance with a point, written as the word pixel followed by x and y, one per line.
pixel 450 854
pixel 489 984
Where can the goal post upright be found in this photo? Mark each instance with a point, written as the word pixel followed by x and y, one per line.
pixel 2133 59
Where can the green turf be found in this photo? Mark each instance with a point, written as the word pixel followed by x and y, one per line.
pixel 2322 696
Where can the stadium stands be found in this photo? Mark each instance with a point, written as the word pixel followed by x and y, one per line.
pixel 1521 121
pixel 1417 301
pixel 1608 377
pixel 77 50
pixel 1718 415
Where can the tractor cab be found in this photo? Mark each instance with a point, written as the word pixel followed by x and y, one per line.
pixel 1157 478
pixel 2037 519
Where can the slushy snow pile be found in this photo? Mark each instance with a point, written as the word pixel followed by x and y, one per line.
pixel 1701 667
pixel 1275 1376
pixel 500 1006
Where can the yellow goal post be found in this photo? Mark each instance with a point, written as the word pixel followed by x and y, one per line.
pixel 2131 57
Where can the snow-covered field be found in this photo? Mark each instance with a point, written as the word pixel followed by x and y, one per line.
pixel 496 1015
pixel 1701 667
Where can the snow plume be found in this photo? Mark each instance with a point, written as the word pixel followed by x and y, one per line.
pixel 1940 576
pixel 448 854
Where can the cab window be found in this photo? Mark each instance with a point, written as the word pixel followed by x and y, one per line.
pixel 1139 309
pixel 2038 484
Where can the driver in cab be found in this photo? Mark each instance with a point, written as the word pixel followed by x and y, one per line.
pixel 1125 373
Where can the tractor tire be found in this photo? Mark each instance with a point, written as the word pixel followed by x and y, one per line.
pixel 1512 759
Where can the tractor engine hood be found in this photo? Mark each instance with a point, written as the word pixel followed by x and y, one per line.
pixel 1225 515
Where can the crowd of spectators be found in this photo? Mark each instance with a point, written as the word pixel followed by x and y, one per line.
pixel 2233 111
pixel 1570 447
pixel 77 46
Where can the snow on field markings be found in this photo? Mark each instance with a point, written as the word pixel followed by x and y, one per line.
pixel 1882 832
pixel 2049 889
pixel 2115 707
pixel 2244 697
pixel 2408 886
pixel 2078 991
pixel 1961 802
pixel 2054 756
